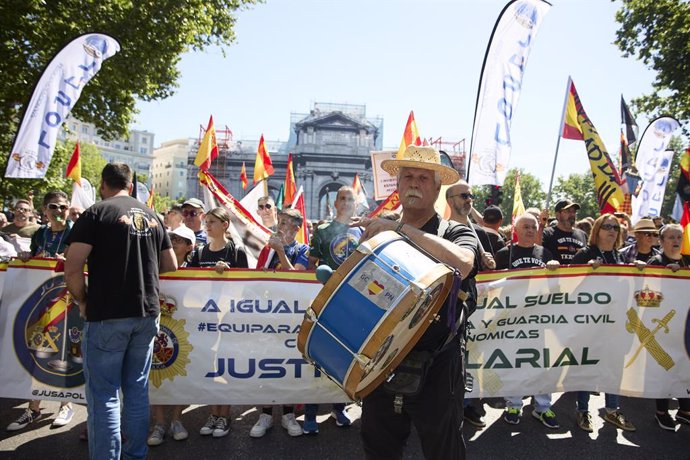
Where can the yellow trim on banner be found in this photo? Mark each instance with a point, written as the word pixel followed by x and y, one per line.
pixel 582 270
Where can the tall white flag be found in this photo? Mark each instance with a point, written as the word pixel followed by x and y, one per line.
pixel 500 87
pixel 54 97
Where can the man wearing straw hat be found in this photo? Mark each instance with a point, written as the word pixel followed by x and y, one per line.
pixel 436 408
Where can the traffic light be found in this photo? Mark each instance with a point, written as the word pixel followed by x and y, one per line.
pixel 498 195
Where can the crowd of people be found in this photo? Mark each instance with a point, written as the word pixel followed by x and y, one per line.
pixel 192 235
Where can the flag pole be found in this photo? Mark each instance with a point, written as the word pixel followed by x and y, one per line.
pixel 558 142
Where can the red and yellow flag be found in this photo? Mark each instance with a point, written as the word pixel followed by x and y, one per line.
pixel 290 187
pixel 298 204
pixel 150 201
pixel 243 177
pixel 392 203
pixel 74 166
pixel 410 136
pixel 208 150
pixel 578 126
pixel 685 223
pixel 263 167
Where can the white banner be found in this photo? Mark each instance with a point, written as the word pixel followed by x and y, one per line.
pixel 614 329
pixel 231 338
pixel 384 183
pixel 500 87
pixel 84 196
pixel 653 163
pixel 54 96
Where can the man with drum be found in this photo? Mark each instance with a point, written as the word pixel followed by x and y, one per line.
pixel 331 244
pixel 436 408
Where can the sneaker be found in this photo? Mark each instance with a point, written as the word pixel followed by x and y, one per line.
pixel 25 419
pixel 512 415
pixel 665 421
pixel 617 418
pixel 290 424
pixel 683 417
pixel 310 426
pixel 341 418
pixel 208 427
pixel 473 416
pixel 156 436
pixel 584 421
pixel 548 418
pixel 221 427
pixel 262 425
pixel 64 416
pixel 178 431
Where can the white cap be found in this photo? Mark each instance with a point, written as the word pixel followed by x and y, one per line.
pixel 184 232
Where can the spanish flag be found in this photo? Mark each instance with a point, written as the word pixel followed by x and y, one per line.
pixel 298 204
pixel 243 177
pixel 685 223
pixel 392 203
pixel 74 166
pixel 208 150
pixel 290 187
pixel 578 126
pixel 410 136
pixel 263 167
pixel 150 200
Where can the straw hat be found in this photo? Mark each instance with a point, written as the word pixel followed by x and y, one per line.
pixel 416 156
pixel 646 226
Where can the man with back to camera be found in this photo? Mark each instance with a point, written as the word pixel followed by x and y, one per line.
pixel 436 410
pixel 127 247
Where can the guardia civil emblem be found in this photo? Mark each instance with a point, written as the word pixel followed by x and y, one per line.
pixel 646 333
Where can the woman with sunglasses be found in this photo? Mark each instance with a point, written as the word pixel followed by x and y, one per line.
pixel 671 238
pixel 49 241
pixel 221 254
pixel 602 248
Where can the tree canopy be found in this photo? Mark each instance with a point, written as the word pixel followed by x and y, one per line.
pixel 657 32
pixel 580 189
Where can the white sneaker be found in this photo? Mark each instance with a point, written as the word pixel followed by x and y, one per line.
pixel 290 424
pixel 178 431
pixel 208 426
pixel 64 416
pixel 222 428
pixel 156 436
pixel 261 426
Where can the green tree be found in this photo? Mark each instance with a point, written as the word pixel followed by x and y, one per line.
pixel 657 33
pixel 530 186
pixel 676 145
pixel 580 189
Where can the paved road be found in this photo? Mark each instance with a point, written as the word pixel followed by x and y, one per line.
pixel 498 440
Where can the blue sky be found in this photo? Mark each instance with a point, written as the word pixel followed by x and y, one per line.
pixel 397 56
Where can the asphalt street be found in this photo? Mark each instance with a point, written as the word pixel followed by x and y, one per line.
pixel 528 439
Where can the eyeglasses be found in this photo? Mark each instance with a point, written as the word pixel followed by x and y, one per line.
pixel 649 235
pixel 610 227
pixel 55 207
pixel 22 210
pixel 464 196
pixel 190 213
pixel 266 206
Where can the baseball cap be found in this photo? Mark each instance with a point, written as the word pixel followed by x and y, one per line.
pixel 565 204
pixel 195 203
pixel 184 232
pixel 493 214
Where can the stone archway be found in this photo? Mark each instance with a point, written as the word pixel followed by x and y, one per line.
pixel 327 195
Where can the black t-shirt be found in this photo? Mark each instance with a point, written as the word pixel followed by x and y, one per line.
pixel 233 256
pixel 588 253
pixel 461 235
pixel 663 260
pixel 563 245
pixel 496 242
pixel 127 239
pixel 522 257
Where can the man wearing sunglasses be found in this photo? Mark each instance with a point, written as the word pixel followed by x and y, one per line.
pixel 646 235
pixel 21 225
pixel 193 212
pixel 268 212
pixel 563 240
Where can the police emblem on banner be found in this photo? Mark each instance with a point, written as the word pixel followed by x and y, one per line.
pixel 646 333
pixel 171 346
pixel 47 334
